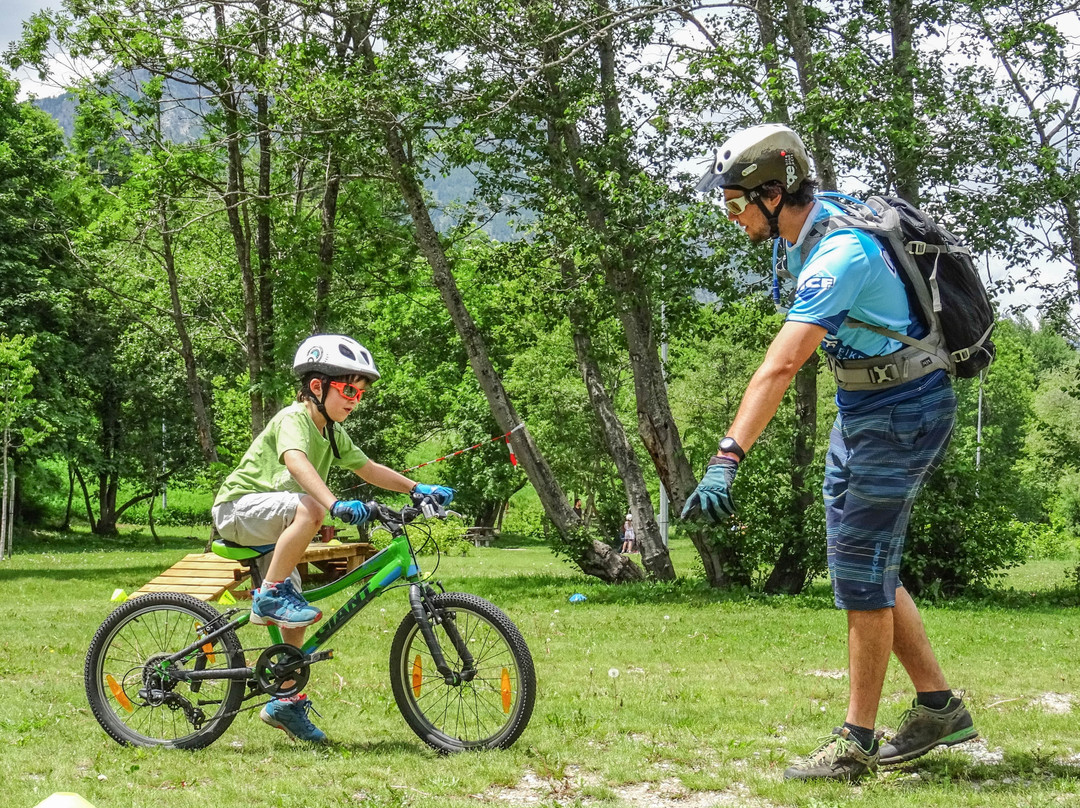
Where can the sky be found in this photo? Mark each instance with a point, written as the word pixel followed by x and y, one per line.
pixel 12 15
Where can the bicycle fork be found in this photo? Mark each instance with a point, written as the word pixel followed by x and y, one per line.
pixel 424 613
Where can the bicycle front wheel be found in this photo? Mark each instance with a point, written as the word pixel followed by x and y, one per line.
pixel 487 709
pixel 127 677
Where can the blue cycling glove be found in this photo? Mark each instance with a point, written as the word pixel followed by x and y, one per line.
pixel 352 511
pixel 712 497
pixel 441 493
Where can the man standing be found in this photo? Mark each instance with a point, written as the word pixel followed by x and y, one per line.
pixel 894 422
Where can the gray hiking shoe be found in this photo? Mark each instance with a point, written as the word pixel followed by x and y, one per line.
pixel 838 758
pixel 922 729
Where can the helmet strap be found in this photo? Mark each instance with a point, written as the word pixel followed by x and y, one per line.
pixel 774 217
pixel 320 405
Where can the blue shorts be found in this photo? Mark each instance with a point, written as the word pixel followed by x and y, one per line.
pixel 876 464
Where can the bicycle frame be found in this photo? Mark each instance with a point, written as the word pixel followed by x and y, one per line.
pixel 386 567
pixel 392 563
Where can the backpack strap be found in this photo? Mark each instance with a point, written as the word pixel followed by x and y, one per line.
pixel 920 356
pixel 882 372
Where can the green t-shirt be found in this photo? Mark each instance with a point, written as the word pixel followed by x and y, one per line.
pixel 262 469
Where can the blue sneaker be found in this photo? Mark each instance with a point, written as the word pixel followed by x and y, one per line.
pixel 281 605
pixel 291 716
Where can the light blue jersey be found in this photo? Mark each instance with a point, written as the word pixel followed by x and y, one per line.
pixel 848 274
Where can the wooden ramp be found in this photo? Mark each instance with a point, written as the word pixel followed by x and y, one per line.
pixel 207 576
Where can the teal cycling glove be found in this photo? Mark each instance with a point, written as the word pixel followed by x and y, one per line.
pixel 712 497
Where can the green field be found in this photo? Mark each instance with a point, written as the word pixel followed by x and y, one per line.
pixel 714 695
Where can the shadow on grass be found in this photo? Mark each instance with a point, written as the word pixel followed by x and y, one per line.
pixel 29 542
pixel 690 591
pixel 684 591
pixel 1015 771
pixel 349 748
pixel 143 572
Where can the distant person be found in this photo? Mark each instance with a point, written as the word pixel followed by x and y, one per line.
pixel 628 535
pixel 278 494
pixel 896 414
pixel 577 508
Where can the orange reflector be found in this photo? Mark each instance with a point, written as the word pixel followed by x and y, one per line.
pixel 207 649
pixel 118 693
pixel 505 688
pixel 417 676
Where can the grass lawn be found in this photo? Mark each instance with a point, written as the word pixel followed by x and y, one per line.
pixel 714 695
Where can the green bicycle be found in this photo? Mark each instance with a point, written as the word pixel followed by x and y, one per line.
pixel 166 669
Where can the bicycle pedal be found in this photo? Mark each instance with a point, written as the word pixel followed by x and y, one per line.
pixel 319 656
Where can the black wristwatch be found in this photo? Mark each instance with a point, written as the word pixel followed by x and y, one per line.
pixel 731 446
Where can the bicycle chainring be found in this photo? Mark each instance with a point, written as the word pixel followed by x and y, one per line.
pixel 279 664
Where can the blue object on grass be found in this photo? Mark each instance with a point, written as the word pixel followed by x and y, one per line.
pixel 577 597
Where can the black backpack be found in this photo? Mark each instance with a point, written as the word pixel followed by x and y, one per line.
pixel 943 286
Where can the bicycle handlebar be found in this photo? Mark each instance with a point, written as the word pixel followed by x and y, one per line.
pixel 423 505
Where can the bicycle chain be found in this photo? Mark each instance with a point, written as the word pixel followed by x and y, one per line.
pixel 239 710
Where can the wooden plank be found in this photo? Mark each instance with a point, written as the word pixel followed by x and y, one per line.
pixel 184 581
pixel 213 591
pixel 207 576
pixel 326 552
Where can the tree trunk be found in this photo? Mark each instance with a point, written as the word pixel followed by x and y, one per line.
pixel 6 438
pixel 109 440
pixel 654 555
pixel 71 495
pixel 150 518
pixel 802 51
pixel 593 557
pixel 263 244
pixel 770 46
pixel 187 352
pixel 235 210
pixel 328 218
pixel 791 571
pixel 789 574
pixel 86 499
pixel 906 159
pixel 656 425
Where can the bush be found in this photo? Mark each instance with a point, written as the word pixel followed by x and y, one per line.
pixel 185 509
pixel 1044 541
pixel 954 545
pixel 448 536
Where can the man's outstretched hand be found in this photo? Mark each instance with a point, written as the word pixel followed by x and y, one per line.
pixel 712 497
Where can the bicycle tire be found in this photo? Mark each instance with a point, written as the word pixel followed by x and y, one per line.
pixel 488 712
pixel 116 673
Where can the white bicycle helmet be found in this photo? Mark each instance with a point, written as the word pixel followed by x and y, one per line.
pixel 754 156
pixel 334 355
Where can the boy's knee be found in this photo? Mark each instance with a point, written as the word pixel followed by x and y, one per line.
pixel 311 511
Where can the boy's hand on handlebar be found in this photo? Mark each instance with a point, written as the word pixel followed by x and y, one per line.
pixel 352 511
pixel 441 493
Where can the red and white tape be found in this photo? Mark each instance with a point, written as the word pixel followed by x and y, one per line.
pixel 505 436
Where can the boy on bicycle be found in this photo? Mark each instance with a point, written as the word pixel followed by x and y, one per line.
pixel 278 494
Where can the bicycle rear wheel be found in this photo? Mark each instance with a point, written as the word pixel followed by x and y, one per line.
pixel 133 697
pixel 487 711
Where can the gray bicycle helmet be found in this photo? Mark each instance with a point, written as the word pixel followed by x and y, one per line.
pixel 757 155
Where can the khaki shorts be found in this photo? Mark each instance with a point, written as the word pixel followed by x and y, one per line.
pixel 257 519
